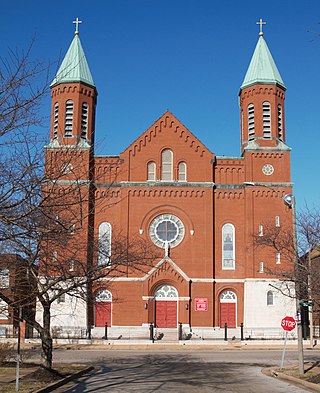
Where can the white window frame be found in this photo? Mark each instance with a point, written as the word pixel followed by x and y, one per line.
pixel 4 278
pixel 167 165
pixel 261 267
pixel 260 230
pixel 4 310
pixel 104 247
pixel 151 169
pixel 166 292
pixel 103 296
pixel 224 265
pixel 228 296
pixel 182 171
pixel 270 298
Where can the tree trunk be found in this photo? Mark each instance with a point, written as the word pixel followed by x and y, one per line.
pixel 46 339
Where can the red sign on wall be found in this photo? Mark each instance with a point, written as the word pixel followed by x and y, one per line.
pixel 201 304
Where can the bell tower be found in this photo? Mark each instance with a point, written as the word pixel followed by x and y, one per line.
pixel 261 99
pixel 74 98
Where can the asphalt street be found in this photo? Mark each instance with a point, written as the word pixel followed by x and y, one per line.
pixel 180 371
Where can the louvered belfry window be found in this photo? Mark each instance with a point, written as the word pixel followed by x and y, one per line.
pixel 280 125
pixel 266 114
pixel 55 120
pixel 84 120
pixel 68 119
pixel 250 122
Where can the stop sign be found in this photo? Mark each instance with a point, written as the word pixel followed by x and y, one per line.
pixel 288 323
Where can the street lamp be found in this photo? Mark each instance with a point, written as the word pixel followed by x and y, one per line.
pixel 289 200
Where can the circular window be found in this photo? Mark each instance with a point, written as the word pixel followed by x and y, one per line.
pixel 267 169
pixel 166 228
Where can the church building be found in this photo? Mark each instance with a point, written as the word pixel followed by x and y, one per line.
pixel 198 210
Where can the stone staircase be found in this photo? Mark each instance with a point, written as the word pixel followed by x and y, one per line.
pixel 169 334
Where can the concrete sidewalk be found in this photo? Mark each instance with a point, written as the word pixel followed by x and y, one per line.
pixel 176 344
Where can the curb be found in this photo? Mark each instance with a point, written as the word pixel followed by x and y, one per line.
pixel 271 372
pixel 64 381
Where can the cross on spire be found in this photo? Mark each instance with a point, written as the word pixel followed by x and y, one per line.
pixel 77 21
pixel 261 23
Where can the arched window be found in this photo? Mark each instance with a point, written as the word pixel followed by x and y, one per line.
pixel 84 120
pixel 4 278
pixel 182 171
pixel 228 297
pixel 166 165
pixel 250 122
pixel 151 171
pixel 4 311
pixel 280 124
pixel 266 117
pixel 228 247
pixel 104 296
pixel 270 298
pixel 104 243
pixel 68 119
pixel 166 292
pixel 55 120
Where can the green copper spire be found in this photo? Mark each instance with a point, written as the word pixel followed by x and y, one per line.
pixel 74 67
pixel 262 68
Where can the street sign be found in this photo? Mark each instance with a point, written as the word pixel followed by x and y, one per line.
pixel 288 323
pixel 306 303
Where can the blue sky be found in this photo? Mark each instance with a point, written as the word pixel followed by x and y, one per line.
pixel 188 56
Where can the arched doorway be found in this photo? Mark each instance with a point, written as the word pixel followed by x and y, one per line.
pixel 103 306
pixel 166 299
pixel 228 309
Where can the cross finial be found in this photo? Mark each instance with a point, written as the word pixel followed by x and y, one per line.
pixel 77 21
pixel 261 23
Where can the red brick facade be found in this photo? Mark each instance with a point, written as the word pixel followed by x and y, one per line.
pixel 210 195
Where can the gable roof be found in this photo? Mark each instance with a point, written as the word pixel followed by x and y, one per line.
pixel 262 68
pixel 74 67
pixel 168 121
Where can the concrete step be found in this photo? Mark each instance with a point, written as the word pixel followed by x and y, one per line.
pixel 167 334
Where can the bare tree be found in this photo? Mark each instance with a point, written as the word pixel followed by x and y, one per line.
pixel 45 220
pixel 299 265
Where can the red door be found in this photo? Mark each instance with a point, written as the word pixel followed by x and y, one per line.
pixel 103 313
pixel 228 314
pixel 166 314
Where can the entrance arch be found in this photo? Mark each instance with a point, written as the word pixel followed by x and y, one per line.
pixel 103 304
pixel 166 299
pixel 228 309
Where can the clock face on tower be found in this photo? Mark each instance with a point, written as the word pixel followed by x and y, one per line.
pixel 166 228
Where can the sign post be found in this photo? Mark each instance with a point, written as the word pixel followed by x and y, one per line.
pixel 288 324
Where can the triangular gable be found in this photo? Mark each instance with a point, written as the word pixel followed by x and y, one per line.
pixel 165 122
pixel 166 264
